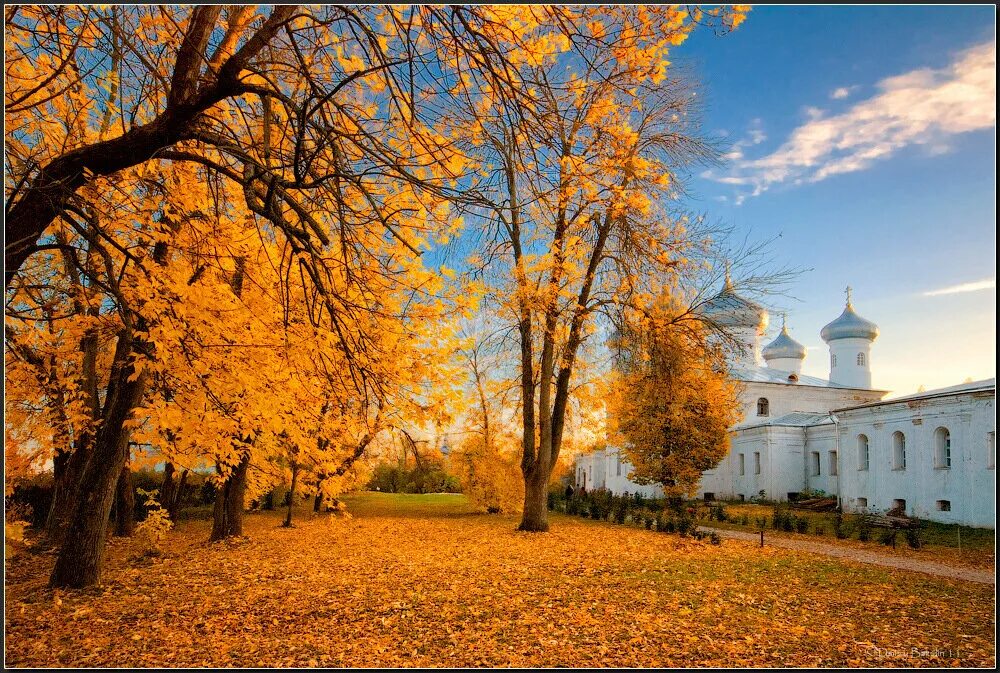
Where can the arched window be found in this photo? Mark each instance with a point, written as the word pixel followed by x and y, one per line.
pixel 763 407
pixel 898 451
pixel 861 359
pixel 863 452
pixel 942 448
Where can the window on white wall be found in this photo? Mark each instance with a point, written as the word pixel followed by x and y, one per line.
pixel 863 455
pixel 944 505
pixel 942 449
pixel 815 463
pixel 991 450
pixel 898 451
pixel 618 465
pixel 862 503
pixel 763 407
pixel 898 506
pixel 756 462
pixel 833 463
pixel 861 359
pixel 743 464
pixel 833 360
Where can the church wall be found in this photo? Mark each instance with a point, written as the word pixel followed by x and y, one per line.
pixel 784 399
pixel 968 486
pixel 822 441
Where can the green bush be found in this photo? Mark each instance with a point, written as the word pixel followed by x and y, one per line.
pixel 802 525
pixel 913 538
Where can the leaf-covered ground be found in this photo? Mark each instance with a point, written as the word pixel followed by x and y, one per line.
pixel 421 581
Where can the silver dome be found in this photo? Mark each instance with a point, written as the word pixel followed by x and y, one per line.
pixel 728 309
pixel 784 347
pixel 849 326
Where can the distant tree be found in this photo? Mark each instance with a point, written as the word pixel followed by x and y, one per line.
pixel 674 402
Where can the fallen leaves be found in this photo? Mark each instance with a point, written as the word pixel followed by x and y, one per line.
pixel 404 585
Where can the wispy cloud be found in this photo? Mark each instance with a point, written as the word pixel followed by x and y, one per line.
pixel 976 286
pixel 923 107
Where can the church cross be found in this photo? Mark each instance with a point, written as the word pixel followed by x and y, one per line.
pixel 848 291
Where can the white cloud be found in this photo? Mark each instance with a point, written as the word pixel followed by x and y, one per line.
pixel 842 92
pixel 924 107
pixel 987 284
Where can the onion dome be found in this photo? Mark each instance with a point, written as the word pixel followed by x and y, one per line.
pixel 849 325
pixel 784 347
pixel 728 309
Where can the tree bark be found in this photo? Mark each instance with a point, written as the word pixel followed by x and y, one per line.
pixel 291 495
pixel 535 518
pixel 228 513
pixel 82 553
pixel 125 504
pixel 178 497
pixel 167 487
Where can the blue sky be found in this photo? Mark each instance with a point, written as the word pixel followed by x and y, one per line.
pixel 865 137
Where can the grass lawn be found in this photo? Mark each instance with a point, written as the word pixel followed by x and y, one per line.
pixel 413 580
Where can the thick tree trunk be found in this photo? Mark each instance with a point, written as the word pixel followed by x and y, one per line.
pixel 291 496
pixel 228 513
pixel 535 517
pixel 318 502
pixel 82 553
pixel 125 504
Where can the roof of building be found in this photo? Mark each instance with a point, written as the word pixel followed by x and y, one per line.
pixel 971 387
pixel 849 325
pixel 771 375
pixel 795 419
pixel 784 346
pixel 728 309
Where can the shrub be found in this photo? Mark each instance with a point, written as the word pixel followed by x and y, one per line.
pixel 671 525
pixel 761 522
pixel 685 525
pixel 913 537
pixel 802 525
pixel 888 538
pixel 864 530
pixel 744 520
pixel 619 509
pixel 820 529
pixel 154 528
pixel 715 538
pixel 838 526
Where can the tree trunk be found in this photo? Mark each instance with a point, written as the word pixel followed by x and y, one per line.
pixel 535 517
pixel 82 553
pixel 125 504
pixel 60 494
pixel 228 512
pixel 291 495
pixel 318 503
pixel 167 487
pixel 178 497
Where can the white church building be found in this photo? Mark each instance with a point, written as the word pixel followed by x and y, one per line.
pixel 931 454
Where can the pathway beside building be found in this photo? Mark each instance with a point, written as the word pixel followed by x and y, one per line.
pixel 863 556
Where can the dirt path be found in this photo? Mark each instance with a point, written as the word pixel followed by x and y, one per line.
pixel 863 556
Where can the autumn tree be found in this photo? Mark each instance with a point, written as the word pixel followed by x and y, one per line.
pixel 673 401
pixel 576 193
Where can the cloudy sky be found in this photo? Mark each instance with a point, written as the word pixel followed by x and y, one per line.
pixel 862 140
